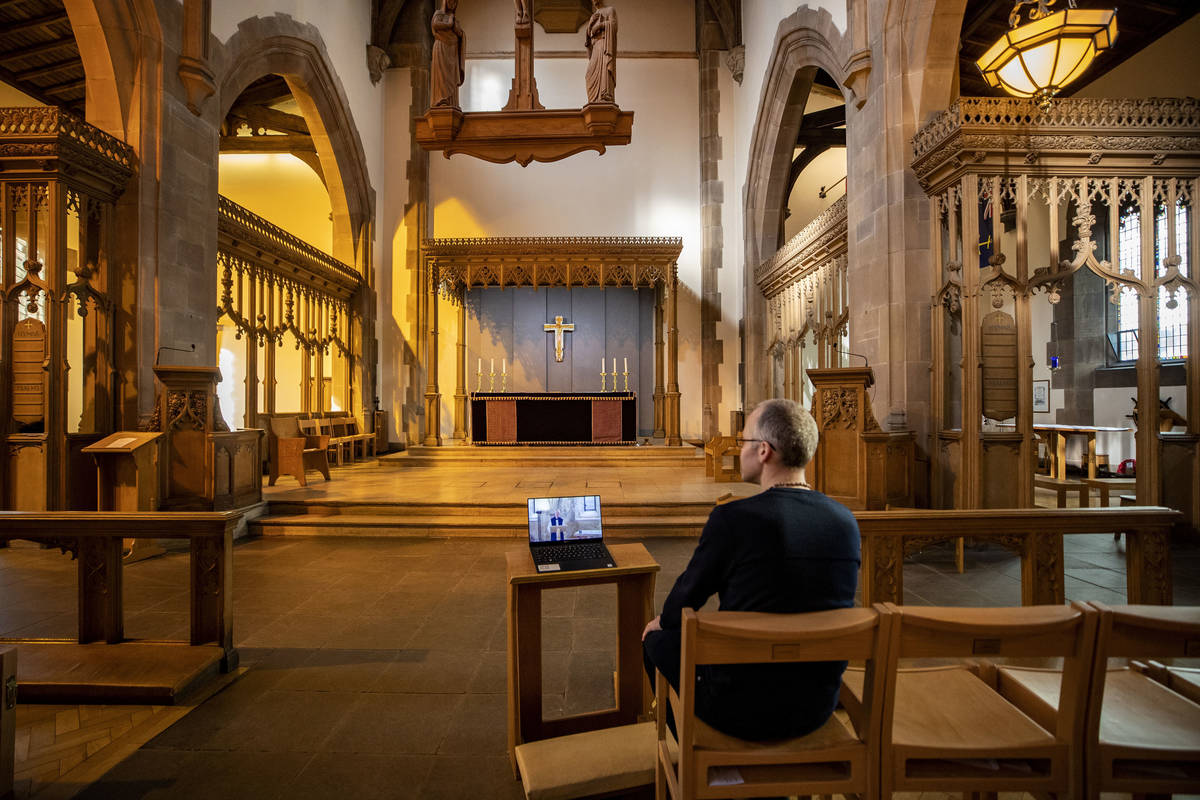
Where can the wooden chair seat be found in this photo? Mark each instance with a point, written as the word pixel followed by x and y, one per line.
pixel 598 762
pixel 1033 690
pixel 1131 700
pixel 1186 681
pixel 832 734
pixel 944 709
pixel 291 450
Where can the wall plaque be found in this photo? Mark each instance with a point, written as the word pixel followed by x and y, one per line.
pixel 29 376
pixel 999 340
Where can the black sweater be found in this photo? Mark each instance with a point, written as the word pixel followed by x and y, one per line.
pixel 783 551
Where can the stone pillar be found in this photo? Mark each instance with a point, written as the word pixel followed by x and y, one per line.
pixel 672 396
pixel 460 386
pixel 712 231
pixel 433 397
pixel 659 421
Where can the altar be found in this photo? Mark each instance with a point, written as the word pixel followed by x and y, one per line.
pixel 549 418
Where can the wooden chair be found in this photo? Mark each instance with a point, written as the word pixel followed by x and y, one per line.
pixel 292 451
pixel 946 728
pixel 716 450
pixel 836 758
pixel 1142 737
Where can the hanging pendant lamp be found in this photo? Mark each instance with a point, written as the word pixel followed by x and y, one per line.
pixel 1039 58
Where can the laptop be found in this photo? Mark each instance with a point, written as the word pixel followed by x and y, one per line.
pixel 566 534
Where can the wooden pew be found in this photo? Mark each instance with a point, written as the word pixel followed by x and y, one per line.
pixel 1035 533
pixel 364 441
pixel 94 539
pixel 1062 486
pixel 8 718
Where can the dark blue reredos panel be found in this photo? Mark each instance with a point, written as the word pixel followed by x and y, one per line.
pixel 614 322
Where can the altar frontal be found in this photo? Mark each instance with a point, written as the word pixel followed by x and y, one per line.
pixel 565 340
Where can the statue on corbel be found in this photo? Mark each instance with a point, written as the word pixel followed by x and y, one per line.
pixel 601 43
pixel 448 69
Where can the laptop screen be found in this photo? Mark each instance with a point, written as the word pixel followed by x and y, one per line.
pixel 564 519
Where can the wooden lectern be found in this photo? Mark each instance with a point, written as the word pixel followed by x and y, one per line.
pixel 207 466
pixel 857 463
pixel 127 479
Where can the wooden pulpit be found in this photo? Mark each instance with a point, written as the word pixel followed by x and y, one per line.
pixel 127 479
pixel 857 463
pixel 207 467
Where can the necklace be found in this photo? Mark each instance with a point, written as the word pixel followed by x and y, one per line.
pixel 792 485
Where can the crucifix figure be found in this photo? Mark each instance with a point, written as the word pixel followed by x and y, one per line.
pixel 559 328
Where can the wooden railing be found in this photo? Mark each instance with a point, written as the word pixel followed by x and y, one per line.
pixel 1036 534
pixel 95 540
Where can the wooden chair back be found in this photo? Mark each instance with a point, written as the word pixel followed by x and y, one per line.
pixel 973 636
pixel 310 427
pixel 797 766
pixel 1148 740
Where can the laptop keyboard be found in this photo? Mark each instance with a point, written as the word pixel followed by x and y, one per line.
pixel 556 553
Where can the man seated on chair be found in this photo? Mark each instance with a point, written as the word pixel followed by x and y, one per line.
pixel 787 549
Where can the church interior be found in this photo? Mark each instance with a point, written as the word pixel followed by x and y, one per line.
pixel 310 312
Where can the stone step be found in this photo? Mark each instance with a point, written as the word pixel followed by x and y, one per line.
pixel 616 527
pixel 510 512
pixel 543 457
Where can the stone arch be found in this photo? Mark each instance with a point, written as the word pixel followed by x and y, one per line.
pixel 931 28
pixel 115 37
pixel 806 41
pixel 282 46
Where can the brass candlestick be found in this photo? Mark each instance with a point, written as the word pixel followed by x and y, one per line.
pixel 503 382
pixel 626 374
pixel 478 381
pixel 603 376
pixel 492 381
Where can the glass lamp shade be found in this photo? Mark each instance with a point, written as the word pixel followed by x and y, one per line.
pixel 1040 58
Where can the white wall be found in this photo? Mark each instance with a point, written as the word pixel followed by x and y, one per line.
pixel 642 26
pixel 647 188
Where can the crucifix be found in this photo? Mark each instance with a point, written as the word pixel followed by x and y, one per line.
pixel 559 328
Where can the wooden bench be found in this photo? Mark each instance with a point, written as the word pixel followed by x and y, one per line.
pixel 8 718
pixel 594 763
pixel 365 442
pixel 95 539
pixel 1036 534
pixel 1109 485
pixel 341 446
pixel 1061 486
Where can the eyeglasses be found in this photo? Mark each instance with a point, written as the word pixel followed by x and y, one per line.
pixel 741 440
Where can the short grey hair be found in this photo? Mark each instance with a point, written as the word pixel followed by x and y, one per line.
pixel 789 429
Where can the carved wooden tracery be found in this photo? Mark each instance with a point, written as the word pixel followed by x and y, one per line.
pixel 807 299
pixel 276 289
pixel 453 266
pixel 59 180
pixel 1068 161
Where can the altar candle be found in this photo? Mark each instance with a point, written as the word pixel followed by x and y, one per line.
pixel 480 365
pixel 626 360
pixel 504 365
pixel 614 365
pixel 601 365
pixel 493 366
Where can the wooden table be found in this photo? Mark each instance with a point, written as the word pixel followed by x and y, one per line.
pixel 634 577
pixel 1056 444
pixel 540 418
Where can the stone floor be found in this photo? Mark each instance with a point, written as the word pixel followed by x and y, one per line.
pixel 376 666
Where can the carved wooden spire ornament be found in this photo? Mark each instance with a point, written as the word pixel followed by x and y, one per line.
pixel 524 130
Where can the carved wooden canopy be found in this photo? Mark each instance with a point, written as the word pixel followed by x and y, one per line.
pixel 461 264
pixel 40 143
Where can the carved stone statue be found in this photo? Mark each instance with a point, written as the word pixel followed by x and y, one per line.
pixel 601 40
pixel 448 69
pixel 522 11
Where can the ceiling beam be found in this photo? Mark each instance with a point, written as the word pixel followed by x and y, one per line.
pixel 39 72
pixel 265 92
pixel 63 88
pixel 35 23
pixel 801 161
pixel 826 118
pixel 269 118
pixel 51 46
pixel 384 14
pixel 267 144
pixel 828 137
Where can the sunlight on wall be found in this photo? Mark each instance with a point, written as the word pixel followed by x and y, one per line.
pixel 455 219
pixel 283 190
pixel 12 96
pixel 232 363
